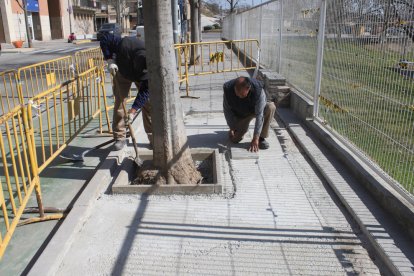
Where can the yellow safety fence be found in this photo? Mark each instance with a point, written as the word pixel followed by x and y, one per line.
pixel 92 57
pixel 89 58
pixel 20 174
pixel 44 106
pixel 9 91
pixel 40 77
pixel 203 58
pixel 61 113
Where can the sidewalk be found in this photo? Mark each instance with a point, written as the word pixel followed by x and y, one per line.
pixel 61 184
pixel 7 48
pixel 276 215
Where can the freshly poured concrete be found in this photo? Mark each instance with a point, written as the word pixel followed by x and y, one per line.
pixel 275 216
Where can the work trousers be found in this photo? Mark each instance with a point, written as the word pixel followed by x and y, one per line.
pixel 121 87
pixel 242 124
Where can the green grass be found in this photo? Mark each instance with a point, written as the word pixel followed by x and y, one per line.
pixel 379 101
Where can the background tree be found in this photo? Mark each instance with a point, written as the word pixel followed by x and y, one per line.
pixel 233 4
pixel 403 11
pixel 23 5
pixel 121 7
pixel 171 153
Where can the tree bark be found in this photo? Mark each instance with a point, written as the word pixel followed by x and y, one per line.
pixel 171 151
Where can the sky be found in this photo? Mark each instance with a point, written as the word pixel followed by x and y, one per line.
pixel 226 4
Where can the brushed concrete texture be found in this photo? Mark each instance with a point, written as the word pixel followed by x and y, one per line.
pixel 275 216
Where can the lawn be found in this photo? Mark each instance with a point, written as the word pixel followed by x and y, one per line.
pixel 376 101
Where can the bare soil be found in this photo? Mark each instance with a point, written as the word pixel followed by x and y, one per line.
pixel 148 174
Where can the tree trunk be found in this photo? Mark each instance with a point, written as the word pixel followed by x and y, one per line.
pixel 171 151
pixel 194 30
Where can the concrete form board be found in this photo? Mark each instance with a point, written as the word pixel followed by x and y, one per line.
pixel 128 166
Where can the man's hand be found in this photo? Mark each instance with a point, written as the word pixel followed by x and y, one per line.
pixel 254 145
pixel 112 67
pixel 231 134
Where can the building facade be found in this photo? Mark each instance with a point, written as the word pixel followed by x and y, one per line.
pixel 56 19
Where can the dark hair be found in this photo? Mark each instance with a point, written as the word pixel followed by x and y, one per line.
pixel 242 82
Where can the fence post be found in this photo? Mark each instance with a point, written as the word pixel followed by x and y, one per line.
pixel 260 26
pixel 29 131
pixel 319 60
pixel 279 65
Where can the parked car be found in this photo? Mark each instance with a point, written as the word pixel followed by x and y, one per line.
pixel 139 30
pixel 112 28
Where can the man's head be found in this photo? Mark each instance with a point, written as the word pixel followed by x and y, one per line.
pixel 242 87
pixel 109 44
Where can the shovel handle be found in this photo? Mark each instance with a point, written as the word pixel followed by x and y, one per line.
pixel 131 131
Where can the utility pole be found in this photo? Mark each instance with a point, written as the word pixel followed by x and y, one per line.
pixel 26 20
pixel 174 9
pixel 195 36
pixel 118 12
pixel 70 15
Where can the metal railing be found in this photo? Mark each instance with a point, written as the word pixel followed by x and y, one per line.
pixel 44 106
pixel 88 58
pixel 20 173
pixel 356 63
pixel 9 91
pixel 44 76
pixel 203 58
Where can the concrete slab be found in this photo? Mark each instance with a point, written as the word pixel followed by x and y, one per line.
pixel 242 153
pixel 387 238
pixel 274 217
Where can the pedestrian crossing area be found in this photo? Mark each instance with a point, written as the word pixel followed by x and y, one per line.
pixel 65 50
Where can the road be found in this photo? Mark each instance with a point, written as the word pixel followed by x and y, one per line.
pixel 43 51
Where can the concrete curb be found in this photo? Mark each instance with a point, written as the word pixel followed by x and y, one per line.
pixel 393 250
pixel 127 165
pixel 52 256
pixel 17 50
pixel 82 41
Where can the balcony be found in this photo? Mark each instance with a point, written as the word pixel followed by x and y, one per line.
pixel 87 4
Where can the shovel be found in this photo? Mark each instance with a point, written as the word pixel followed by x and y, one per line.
pixel 137 160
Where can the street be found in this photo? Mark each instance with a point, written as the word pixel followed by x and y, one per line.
pixel 47 50
pixel 42 51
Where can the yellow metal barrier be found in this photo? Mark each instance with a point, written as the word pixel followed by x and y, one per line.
pixel 40 77
pixel 88 59
pixel 44 106
pixel 20 173
pixel 62 112
pixel 9 91
pixel 213 57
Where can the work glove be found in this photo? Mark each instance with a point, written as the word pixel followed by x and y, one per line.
pixel 112 67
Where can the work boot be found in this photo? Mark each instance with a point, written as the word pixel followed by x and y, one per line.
pixel 119 144
pixel 263 144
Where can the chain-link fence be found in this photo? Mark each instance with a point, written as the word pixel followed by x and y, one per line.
pixel 364 64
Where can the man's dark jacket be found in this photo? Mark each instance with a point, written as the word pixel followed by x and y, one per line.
pixel 130 58
pixel 243 107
